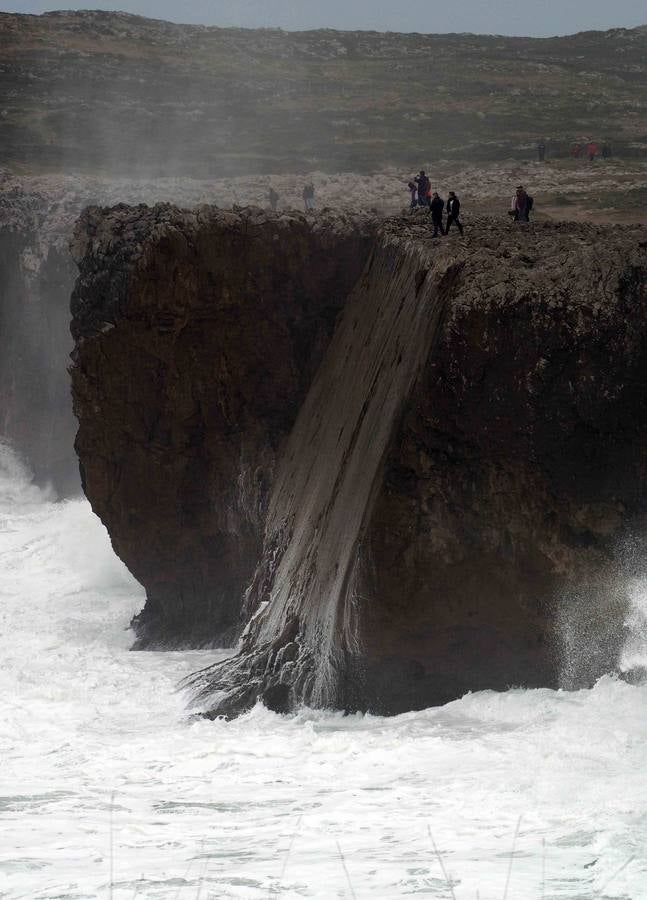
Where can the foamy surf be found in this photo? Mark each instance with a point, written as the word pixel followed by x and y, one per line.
pixel 104 771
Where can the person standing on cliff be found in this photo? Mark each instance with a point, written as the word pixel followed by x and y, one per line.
pixel 309 196
pixel 541 151
pixel 413 190
pixel 437 209
pixel 521 205
pixel 453 212
pixel 424 189
pixel 273 197
pixel 591 150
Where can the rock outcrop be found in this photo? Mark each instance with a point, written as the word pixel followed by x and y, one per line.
pixel 404 518
pixel 197 335
pixel 37 274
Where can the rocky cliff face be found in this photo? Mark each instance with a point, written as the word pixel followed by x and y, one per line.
pixel 406 516
pixel 197 336
pixel 37 274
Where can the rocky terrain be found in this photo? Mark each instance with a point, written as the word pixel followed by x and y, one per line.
pixel 398 511
pixel 111 93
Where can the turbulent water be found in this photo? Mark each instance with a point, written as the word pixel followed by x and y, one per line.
pixel 110 789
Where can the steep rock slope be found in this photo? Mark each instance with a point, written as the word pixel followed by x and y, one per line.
pixel 470 454
pixel 197 335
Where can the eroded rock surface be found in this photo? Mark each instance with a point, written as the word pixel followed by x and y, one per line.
pixel 466 452
pixel 197 336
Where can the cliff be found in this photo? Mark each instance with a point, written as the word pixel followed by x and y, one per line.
pixel 403 511
pixel 119 94
pixel 197 335
pixel 37 273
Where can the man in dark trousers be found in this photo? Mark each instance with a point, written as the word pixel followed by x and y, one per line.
pixel 437 209
pixel 453 212
pixel 424 186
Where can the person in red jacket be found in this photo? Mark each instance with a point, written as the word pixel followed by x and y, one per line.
pixel 592 150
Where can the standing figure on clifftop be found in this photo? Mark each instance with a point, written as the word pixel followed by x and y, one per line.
pixel 309 196
pixel 541 151
pixel 576 151
pixel 424 189
pixel 591 150
pixel 273 197
pixel 437 209
pixel 453 212
pixel 521 205
pixel 413 190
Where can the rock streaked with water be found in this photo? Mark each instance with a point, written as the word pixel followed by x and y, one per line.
pixel 471 448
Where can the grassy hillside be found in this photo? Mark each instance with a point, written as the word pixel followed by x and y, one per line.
pixel 114 93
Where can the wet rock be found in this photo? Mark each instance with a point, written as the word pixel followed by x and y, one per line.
pixel 432 482
pixel 218 323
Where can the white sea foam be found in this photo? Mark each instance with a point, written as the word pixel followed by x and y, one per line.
pixel 237 804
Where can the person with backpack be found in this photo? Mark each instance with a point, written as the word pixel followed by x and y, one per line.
pixel 437 209
pixel 424 189
pixel 521 205
pixel 453 213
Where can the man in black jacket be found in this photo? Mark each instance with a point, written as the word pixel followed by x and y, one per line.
pixel 423 189
pixel 437 209
pixel 453 212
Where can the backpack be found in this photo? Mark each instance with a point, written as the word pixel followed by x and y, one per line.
pixel 530 203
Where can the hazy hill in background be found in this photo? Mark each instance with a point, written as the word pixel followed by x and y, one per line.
pixel 116 93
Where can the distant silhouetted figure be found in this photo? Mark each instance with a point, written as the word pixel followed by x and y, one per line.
pixel 453 212
pixel 273 197
pixel 606 151
pixel 424 189
pixel 413 190
pixel 592 150
pixel 309 196
pixel 521 205
pixel 576 151
pixel 541 151
pixel 437 209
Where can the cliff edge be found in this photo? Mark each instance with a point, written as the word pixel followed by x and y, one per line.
pixel 394 460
